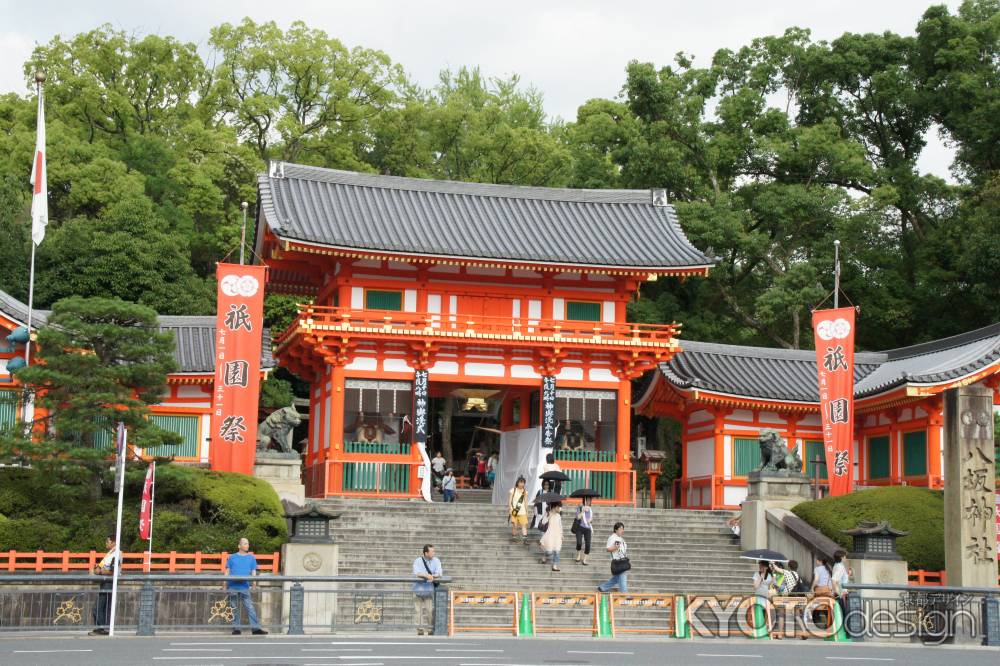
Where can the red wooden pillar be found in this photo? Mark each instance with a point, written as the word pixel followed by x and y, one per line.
pixel 333 459
pixel 895 474
pixel 935 419
pixel 623 479
pixel 719 466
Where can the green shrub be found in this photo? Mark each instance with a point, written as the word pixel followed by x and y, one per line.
pixel 917 510
pixel 196 509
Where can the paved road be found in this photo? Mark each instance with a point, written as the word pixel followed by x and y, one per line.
pixel 202 650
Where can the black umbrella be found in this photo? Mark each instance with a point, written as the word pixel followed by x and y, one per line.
pixel 554 476
pixel 584 492
pixel 550 498
pixel 764 554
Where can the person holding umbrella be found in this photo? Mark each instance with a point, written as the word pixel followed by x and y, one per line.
pixel 583 525
pixel 551 467
pixel 764 580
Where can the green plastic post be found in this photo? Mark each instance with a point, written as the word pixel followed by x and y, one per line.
pixel 525 627
pixel 760 621
pixel 604 619
pixel 839 634
pixel 681 628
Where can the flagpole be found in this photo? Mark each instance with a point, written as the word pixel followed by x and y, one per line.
pixel 118 525
pixel 836 274
pixel 152 507
pixel 243 230
pixel 39 80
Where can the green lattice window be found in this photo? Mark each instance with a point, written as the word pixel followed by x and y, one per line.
pixel 915 453
pixel 746 456
pixel 383 300
pixel 583 311
pixel 878 457
pixel 814 449
pixel 8 409
pixel 186 427
pixel 602 482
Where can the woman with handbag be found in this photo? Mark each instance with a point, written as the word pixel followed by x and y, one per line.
pixel 552 539
pixel 517 505
pixel 583 529
pixel 619 561
pixel 822 586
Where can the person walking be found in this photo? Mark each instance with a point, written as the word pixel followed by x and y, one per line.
pixel 619 561
pixel 491 469
pixel 822 586
pixel 552 466
pixel 517 505
pixel 763 581
pixel 448 485
pixel 106 569
pixel 541 508
pixel 471 468
pixel 480 470
pixel 438 464
pixel 242 563
pixel 551 541
pixel 839 577
pixel 428 569
pixel 583 528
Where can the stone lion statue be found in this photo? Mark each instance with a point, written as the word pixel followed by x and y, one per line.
pixel 775 456
pixel 277 429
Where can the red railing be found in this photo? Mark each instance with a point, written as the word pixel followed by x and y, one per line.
pixel 684 488
pixel 921 577
pixel 172 562
pixel 460 325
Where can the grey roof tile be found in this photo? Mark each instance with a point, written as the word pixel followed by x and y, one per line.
pixel 790 375
pixel 344 209
pixel 194 336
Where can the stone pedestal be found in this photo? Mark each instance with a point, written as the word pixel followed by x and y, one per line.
pixel 284 472
pixel 769 491
pixel 878 571
pixel 312 559
pixel 970 538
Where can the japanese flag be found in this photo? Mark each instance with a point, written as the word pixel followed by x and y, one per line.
pixel 39 182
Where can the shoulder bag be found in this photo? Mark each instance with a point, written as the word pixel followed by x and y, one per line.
pixel 436 583
pixel 620 566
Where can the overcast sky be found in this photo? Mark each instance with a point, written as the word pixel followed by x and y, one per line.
pixel 570 50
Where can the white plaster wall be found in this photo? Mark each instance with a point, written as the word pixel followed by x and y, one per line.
pixel 602 375
pixel 733 495
pixel 727 456
pixel 357 298
pixel 206 436
pixel 444 368
pixel 570 373
pixel 523 372
pixel 609 312
pixel 363 363
pixel 699 416
pixel 811 420
pixel 410 300
pixel 742 415
pixel 558 308
pixel 485 369
pixel 190 392
pixel 700 460
pixel 395 365
pixel 772 417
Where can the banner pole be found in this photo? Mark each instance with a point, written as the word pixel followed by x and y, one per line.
pixel 118 529
pixel 243 230
pixel 152 508
pixel 836 274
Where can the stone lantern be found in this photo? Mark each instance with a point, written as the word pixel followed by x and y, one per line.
pixel 654 465
pixel 309 523
pixel 310 551
pixel 874 541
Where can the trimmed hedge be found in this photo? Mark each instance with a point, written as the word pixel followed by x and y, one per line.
pixel 917 510
pixel 196 509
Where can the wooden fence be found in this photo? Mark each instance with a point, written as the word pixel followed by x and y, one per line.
pixel 921 577
pixel 173 562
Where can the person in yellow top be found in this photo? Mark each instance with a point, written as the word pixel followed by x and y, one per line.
pixel 517 505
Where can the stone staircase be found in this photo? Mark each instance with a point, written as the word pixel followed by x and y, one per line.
pixel 671 550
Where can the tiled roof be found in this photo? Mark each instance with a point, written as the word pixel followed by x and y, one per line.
pixel 195 343
pixel 348 210
pixel 790 375
pixel 194 336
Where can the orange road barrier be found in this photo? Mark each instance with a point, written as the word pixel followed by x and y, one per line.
pixel 794 610
pixel 584 600
pixel 481 599
pixel 651 602
pixel 172 562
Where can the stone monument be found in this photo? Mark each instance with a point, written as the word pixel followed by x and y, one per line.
pixel 310 551
pixel 874 557
pixel 970 538
pixel 277 462
pixel 778 483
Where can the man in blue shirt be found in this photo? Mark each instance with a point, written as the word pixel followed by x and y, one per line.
pixel 242 563
pixel 428 569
